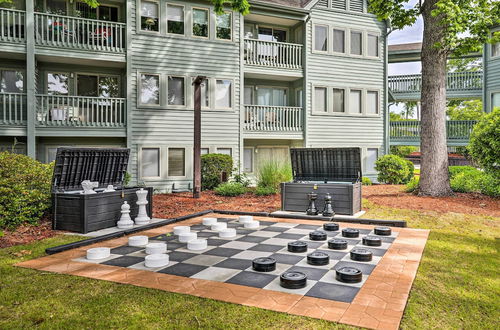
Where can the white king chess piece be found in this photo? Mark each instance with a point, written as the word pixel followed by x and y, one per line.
pixel 142 216
pixel 88 187
pixel 125 221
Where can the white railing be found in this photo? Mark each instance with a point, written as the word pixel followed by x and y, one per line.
pixel 273 118
pixel 79 33
pixel 58 110
pixel 12 24
pixel 273 54
pixel 13 109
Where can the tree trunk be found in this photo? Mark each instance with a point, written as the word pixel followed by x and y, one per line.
pixel 434 180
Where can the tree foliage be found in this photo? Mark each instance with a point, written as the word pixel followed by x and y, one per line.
pixel 465 24
pixel 466 110
pixel 484 144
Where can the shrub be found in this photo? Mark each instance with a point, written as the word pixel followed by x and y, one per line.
pixel 411 171
pixel 213 169
pixel 366 181
pixel 403 151
pixel 412 186
pixel 489 184
pixel 393 169
pixel 24 189
pixel 484 143
pixel 230 189
pixel 466 182
pixel 265 191
pixel 272 173
pixel 454 170
pixel 241 178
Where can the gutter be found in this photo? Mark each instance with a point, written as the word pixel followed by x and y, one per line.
pixel 278 7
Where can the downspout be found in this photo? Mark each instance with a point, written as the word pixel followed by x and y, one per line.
pixel 386 88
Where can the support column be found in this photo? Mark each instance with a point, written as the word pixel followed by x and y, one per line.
pixel 30 79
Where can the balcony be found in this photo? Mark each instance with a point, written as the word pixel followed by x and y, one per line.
pixel 408 132
pixel 272 54
pixel 80 111
pixel 79 33
pixel 13 109
pixel 459 85
pixel 279 120
pixel 12 24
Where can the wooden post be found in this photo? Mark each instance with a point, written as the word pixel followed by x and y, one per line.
pixel 197 137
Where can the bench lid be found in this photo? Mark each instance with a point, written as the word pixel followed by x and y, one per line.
pixel 326 164
pixel 74 165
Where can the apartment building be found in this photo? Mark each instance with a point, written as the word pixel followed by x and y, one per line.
pixel 292 73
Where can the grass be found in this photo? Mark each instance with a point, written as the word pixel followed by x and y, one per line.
pixel 457 286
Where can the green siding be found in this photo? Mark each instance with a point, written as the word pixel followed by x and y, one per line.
pixel 491 75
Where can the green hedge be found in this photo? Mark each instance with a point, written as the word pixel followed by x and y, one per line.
pixel 230 189
pixel 393 169
pixel 24 189
pixel 214 167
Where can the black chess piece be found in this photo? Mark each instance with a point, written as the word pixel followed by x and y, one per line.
pixel 311 209
pixel 328 209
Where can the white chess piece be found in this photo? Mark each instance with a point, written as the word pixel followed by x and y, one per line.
pixel 109 188
pixel 125 221
pixel 142 216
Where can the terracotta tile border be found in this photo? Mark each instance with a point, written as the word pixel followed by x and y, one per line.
pixel 378 305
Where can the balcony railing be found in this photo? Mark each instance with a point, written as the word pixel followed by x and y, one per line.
pixel 13 109
pixel 273 54
pixel 456 81
pixel 80 111
pixel 79 33
pixel 409 131
pixel 273 118
pixel 12 24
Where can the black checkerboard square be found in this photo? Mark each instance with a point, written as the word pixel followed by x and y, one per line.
pixel 181 269
pixel 123 261
pixel 333 292
pixel 256 280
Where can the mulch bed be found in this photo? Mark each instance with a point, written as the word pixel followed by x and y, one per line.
pixel 174 205
pixel 394 196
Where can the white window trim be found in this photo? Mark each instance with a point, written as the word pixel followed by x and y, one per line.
pixel 185 162
pixel 365 158
pixel 363 41
pixel 139 16
pixel 362 100
pixel 166 18
pixel 192 21
pixel 328 39
pixel 174 106
pixel 379 52
pixel 233 99
pixel 139 91
pixel 330 93
pixel 160 165
pixel 225 147
pixel 346 32
pixel 253 160
pixel 378 103
pixel 313 96
pixel 232 26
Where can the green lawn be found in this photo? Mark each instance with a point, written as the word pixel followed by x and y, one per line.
pixel 457 286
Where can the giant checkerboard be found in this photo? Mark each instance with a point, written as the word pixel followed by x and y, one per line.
pixel 229 260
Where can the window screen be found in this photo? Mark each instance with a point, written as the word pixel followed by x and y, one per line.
pixel 176 91
pixel 150 162
pixel 176 162
pixel 338 100
pixel 356 43
pixel 372 103
pixel 248 160
pixel 371 158
pixel 200 22
pixel 57 84
pixel 11 81
pixel 223 93
pixel 224 151
pixel 149 16
pixel 355 101
pixel 320 99
pixel 339 41
pixel 150 89
pixel 372 45
pixel 224 26
pixel 175 19
pixel 320 38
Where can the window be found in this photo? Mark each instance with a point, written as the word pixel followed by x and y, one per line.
pixel 56 7
pixel 176 91
pixel 338 41
pixel 175 19
pixel 205 151
pixel 338 100
pixel 205 94
pixel 150 162
pixel 11 81
pixel 495 100
pixel 272 96
pixel 176 162
pixel 355 101
pixel 371 158
pixel 372 45
pixel 108 86
pixel 57 84
pixel 320 38
pixel 320 99
pixel 248 95
pixel 149 16
pixel 299 102
pixel 225 151
pixel 248 160
pixel 495 49
pixel 200 22
pixel 103 13
pixel 372 102
pixel 223 90
pixel 356 43
pixel 223 30
pixel 150 89
pixel 86 85
pixel 271 34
